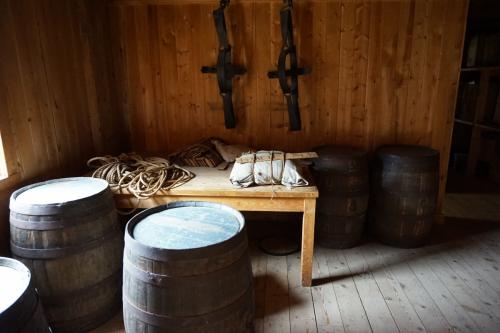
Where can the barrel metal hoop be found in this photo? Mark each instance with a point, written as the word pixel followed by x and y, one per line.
pixel 378 191
pixel 165 255
pixel 403 218
pixel 71 209
pixel 60 223
pixel 89 321
pixel 60 252
pixel 12 314
pixel 29 314
pixel 24 320
pixel 201 320
pixel 89 202
pixel 214 261
pixel 65 298
pixel 178 280
pixel 160 254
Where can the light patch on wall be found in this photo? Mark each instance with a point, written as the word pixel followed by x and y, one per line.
pixel 3 163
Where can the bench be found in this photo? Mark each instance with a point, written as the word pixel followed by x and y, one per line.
pixel 211 184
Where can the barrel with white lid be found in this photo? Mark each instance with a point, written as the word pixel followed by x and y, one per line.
pixel 20 308
pixel 67 232
pixel 186 268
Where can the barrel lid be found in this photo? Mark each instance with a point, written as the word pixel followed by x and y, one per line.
pixel 336 156
pixel 407 152
pixel 187 227
pixel 58 191
pixel 14 280
pixel 327 151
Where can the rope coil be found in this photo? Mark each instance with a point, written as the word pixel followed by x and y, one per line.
pixel 142 177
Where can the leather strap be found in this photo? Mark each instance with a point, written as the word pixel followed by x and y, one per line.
pixel 224 69
pixel 288 77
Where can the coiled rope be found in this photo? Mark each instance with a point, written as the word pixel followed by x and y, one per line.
pixel 142 177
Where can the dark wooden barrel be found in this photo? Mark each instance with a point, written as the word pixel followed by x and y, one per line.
pixel 67 232
pixel 20 307
pixel 186 268
pixel 342 178
pixel 405 181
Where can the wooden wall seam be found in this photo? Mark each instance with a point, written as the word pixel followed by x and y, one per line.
pixel 383 72
pixel 57 100
pixel 82 77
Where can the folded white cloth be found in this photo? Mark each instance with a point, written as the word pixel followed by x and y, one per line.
pixel 273 171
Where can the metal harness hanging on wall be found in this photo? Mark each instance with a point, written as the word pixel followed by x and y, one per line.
pixel 224 69
pixel 290 90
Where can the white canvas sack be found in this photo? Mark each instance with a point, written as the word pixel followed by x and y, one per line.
pixel 271 172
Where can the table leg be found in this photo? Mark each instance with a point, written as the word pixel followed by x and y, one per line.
pixel 306 256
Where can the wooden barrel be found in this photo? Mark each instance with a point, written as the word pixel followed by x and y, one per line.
pixel 342 178
pixel 67 232
pixel 186 268
pixel 20 307
pixel 405 181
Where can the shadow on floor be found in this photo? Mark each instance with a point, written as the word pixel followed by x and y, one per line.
pixel 277 294
pixel 455 234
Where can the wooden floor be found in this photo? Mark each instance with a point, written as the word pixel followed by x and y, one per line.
pixel 476 206
pixel 452 285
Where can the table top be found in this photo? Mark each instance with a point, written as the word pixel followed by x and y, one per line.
pixel 213 182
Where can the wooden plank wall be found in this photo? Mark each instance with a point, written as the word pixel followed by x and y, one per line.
pixel 57 104
pixel 383 72
pixel 79 78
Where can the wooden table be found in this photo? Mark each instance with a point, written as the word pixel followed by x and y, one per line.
pixel 213 185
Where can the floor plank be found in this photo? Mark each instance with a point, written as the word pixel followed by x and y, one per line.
pixel 352 312
pixel 259 269
pixel 442 297
pixel 375 306
pixel 464 295
pixel 326 307
pixel 277 309
pixel 398 271
pixel 451 285
pixel 302 317
pixel 407 320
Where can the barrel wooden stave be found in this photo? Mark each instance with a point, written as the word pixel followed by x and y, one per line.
pixel 405 182
pixel 344 206
pixel 89 310
pixel 235 318
pixel 342 178
pixel 343 232
pixel 38 322
pixel 405 205
pixel 179 296
pixel 342 183
pixel 73 234
pixel 60 277
pixel 398 181
pixel 207 289
pixel 26 314
pixel 74 251
pixel 405 231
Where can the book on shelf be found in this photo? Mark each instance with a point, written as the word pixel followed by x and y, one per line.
pixel 467 93
pixel 496 110
pixel 483 49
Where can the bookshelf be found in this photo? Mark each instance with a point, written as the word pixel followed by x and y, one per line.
pixel 477 115
pixel 475 149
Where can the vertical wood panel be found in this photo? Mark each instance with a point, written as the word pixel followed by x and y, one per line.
pixel 261 129
pixel 57 106
pixel 80 78
pixel 383 72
